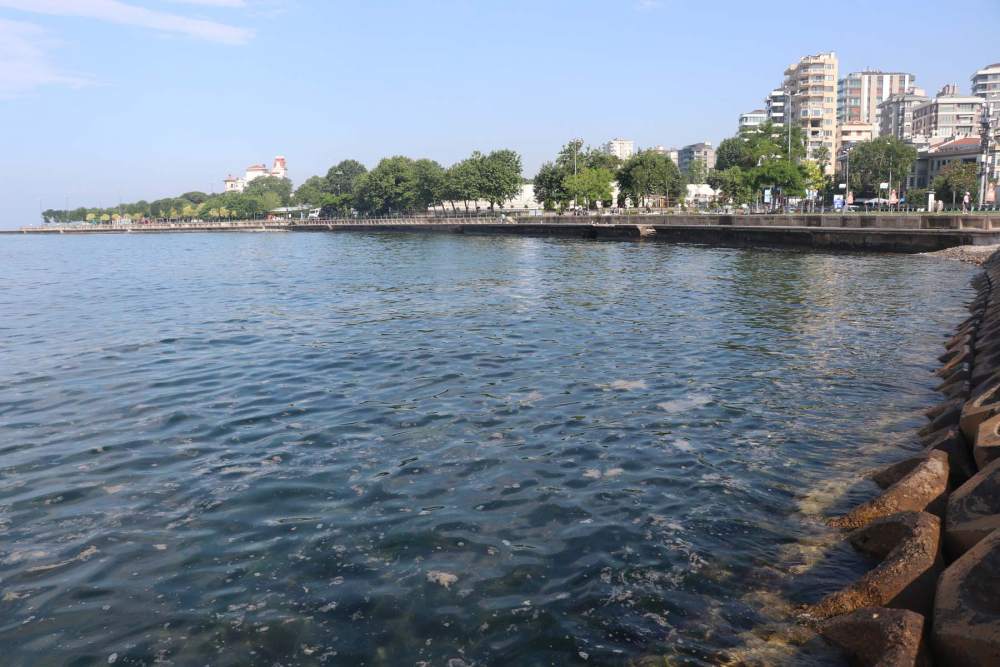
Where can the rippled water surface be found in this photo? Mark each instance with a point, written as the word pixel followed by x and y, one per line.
pixel 305 449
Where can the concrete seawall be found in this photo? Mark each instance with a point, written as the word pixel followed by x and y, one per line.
pixel 935 594
pixel 883 233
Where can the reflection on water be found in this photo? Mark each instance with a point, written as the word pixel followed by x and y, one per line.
pixel 429 450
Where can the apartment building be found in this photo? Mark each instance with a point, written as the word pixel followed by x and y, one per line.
pixel 811 84
pixel 752 119
pixel 948 115
pixel 672 153
pixel 896 114
pixel 986 83
pixel 620 148
pixel 854 132
pixel 701 151
pixel 776 107
pixel 859 94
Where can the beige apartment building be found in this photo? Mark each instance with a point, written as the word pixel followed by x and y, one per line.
pixel 948 115
pixel 811 84
pixel 854 132
pixel 896 114
pixel 859 94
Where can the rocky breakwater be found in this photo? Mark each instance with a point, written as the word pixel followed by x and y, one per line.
pixel 934 598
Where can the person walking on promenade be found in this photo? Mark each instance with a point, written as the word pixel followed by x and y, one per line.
pixel 965 203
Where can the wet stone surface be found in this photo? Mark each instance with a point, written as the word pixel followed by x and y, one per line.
pixel 436 450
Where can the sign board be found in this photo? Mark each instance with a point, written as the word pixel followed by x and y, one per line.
pixel 767 195
pixel 838 202
pixel 850 197
pixel 883 186
pixel 893 199
pixel 991 192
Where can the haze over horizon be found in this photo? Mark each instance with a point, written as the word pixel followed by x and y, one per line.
pixel 161 97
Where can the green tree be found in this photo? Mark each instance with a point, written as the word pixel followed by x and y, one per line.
pixel 308 194
pixel 590 185
pixel 500 176
pixel 426 184
pixel 781 174
pixel 732 152
pixel 881 160
pixel 269 201
pixel 955 179
pixel 733 184
pixel 342 176
pixel 696 172
pixel 463 181
pixel 281 187
pixel 385 189
pixel 550 189
pixel 822 157
pixel 647 173
pixel 195 197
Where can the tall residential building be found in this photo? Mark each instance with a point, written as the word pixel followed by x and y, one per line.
pixel 986 83
pixel 701 151
pixel 279 170
pixel 859 94
pixel 776 107
pixel 752 118
pixel 896 114
pixel 811 84
pixel 948 115
pixel 620 148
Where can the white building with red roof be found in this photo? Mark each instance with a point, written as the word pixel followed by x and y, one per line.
pixel 279 170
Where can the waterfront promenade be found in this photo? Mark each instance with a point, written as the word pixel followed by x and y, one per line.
pixel 877 232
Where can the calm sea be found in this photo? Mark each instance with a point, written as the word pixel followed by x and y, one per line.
pixel 364 449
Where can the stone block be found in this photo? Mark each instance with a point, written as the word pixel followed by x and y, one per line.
pixel 948 440
pixel 987 447
pixel 967 608
pixel 909 544
pixel 879 637
pixel 964 358
pixel 976 410
pixel 924 487
pixel 947 413
pixel 973 512
pixel 961 374
pixel 964 353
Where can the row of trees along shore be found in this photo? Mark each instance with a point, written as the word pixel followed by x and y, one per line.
pixel 767 156
pixel 587 176
pixel 396 185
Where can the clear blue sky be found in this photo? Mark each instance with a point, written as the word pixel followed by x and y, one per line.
pixel 159 97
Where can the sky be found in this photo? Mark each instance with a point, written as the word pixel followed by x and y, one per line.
pixel 160 97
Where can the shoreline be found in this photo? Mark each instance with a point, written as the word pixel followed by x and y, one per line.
pixel 873 233
pixel 935 528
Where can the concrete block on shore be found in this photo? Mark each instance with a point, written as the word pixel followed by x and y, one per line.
pixel 961 373
pixel 963 352
pixel 965 358
pixel 973 512
pixel 924 487
pixel 947 413
pixel 909 544
pixel 879 637
pixel 987 447
pixel 985 405
pixel 961 339
pixel 948 440
pixel 967 608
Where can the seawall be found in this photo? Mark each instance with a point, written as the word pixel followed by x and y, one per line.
pixel 883 232
pixel 934 594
